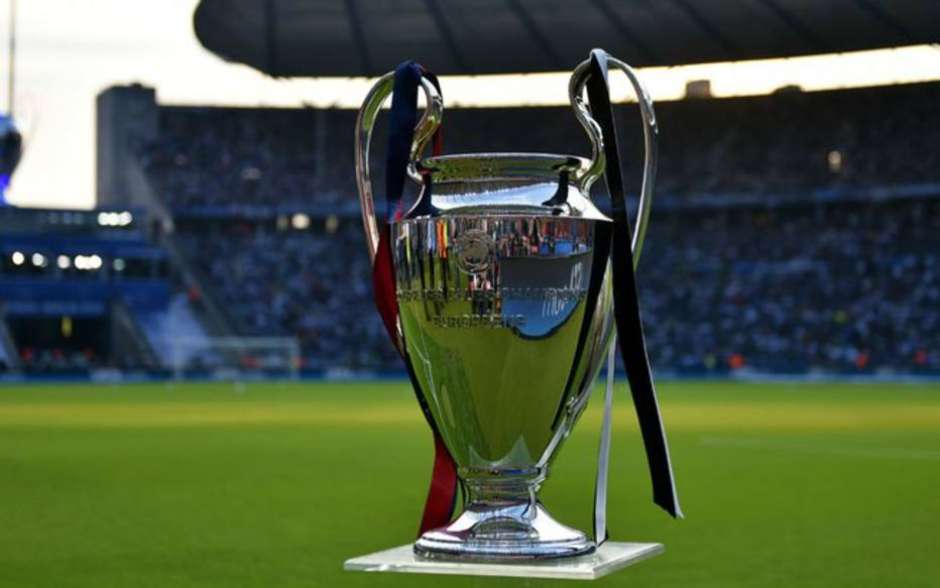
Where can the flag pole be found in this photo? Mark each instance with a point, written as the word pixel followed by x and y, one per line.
pixel 12 60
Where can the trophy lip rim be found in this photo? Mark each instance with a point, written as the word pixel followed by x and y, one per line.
pixel 505 155
pixel 507 213
pixel 570 163
pixel 513 166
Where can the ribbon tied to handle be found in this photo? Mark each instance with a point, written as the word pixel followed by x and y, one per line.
pixel 627 316
pixel 442 494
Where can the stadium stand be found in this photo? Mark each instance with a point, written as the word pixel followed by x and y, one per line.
pixel 790 143
pixel 314 285
pixel 73 286
pixel 793 233
pixel 845 287
pixel 174 321
pixel 212 158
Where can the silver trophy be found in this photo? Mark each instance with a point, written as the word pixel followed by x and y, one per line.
pixel 492 273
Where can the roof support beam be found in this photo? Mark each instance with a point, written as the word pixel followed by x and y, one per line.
pixel 885 18
pixel 819 45
pixel 270 41
pixel 645 51
pixel 730 49
pixel 359 38
pixel 447 35
pixel 543 43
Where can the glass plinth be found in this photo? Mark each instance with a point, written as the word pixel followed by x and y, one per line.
pixel 608 558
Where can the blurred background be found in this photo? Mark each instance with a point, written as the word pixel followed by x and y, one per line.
pixel 179 207
pixel 795 231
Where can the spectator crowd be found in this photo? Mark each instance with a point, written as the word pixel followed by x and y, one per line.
pixel 313 285
pixel 782 144
pixel 848 286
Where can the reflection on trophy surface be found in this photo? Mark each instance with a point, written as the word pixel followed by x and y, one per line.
pixel 503 283
pixel 491 310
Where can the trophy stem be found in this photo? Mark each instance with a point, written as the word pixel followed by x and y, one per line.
pixel 516 487
pixel 503 519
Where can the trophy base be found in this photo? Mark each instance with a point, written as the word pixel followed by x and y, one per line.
pixel 606 559
pixel 521 531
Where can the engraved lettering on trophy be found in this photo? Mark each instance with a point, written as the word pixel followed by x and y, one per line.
pixel 491 321
pixel 521 293
pixel 557 304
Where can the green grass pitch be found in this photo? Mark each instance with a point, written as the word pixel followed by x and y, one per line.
pixel 811 485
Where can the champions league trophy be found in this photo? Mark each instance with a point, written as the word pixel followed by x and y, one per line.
pixel 502 287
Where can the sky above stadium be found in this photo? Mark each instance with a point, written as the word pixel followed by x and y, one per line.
pixel 68 51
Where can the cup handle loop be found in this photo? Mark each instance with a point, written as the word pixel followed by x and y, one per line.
pixel 626 304
pixel 365 124
pixel 598 163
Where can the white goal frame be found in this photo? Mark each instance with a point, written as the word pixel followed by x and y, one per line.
pixel 223 357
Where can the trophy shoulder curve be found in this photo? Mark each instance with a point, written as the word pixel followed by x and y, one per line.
pixel 505 184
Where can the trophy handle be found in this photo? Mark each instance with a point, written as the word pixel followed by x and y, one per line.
pixel 598 161
pixel 365 123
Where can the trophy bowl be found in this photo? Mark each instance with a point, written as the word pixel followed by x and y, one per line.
pixel 504 337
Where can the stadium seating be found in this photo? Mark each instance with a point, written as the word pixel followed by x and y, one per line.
pixel 796 232
pixel 165 326
pixel 838 288
pixel 787 143
pixel 71 283
pixel 312 285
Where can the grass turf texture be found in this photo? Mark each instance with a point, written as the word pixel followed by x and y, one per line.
pixel 276 485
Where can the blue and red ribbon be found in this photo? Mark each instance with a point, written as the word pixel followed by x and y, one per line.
pixel 442 494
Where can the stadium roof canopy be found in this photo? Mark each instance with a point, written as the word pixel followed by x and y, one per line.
pixel 367 37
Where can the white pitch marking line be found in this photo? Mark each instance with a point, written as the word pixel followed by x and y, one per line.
pixel 865 452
